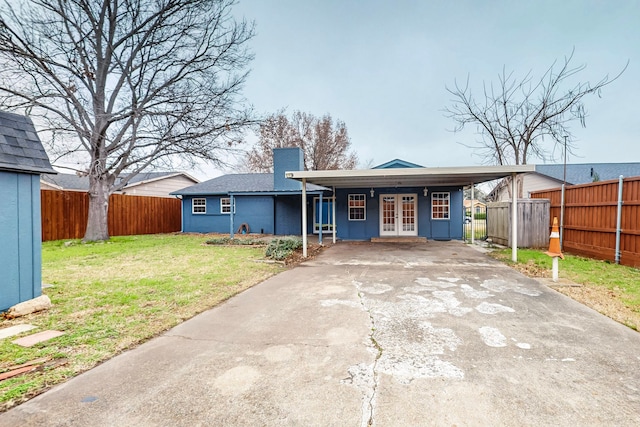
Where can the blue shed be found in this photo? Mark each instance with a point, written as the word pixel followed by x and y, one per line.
pixel 22 160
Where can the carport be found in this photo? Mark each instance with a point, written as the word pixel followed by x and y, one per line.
pixel 409 177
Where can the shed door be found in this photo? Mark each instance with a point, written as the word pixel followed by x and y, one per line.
pixel 398 215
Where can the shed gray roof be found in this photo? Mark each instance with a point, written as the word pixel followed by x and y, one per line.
pixel 583 173
pixel 238 183
pixel 20 147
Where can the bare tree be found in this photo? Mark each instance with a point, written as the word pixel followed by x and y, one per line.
pixel 521 119
pixel 130 84
pixel 325 143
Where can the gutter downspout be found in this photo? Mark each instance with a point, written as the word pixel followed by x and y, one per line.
pixel 514 220
pixel 304 217
pixel 619 220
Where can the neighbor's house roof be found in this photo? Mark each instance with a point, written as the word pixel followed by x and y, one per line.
pixel 577 173
pixel 238 183
pixel 146 177
pixel 408 177
pixel 583 173
pixel 68 181
pixel 20 147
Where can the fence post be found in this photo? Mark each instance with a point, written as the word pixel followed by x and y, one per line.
pixel 514 219
pixel 619 219
pixel 562 218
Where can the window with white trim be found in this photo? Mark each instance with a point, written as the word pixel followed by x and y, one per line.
pixel 225 205
pixel 440 205
pixel 199 206
pixel 357 207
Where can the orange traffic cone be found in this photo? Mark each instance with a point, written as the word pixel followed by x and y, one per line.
pixel 554 241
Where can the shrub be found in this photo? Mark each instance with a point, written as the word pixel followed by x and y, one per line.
pixel 282 247
pixel 226 240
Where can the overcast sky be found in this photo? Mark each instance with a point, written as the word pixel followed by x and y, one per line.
pixel 382 67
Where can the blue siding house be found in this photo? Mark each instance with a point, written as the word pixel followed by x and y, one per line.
pixel 271 203
pixel 22 160
pixel 266 203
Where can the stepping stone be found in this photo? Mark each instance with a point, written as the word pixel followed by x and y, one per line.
pixel 15 330
pixel 34 339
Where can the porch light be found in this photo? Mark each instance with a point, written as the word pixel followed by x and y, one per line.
pixel 372 192
pixel 425 191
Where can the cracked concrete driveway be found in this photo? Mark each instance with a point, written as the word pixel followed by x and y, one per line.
pixel 370 334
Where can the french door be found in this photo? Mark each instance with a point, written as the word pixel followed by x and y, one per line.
pixel 398 215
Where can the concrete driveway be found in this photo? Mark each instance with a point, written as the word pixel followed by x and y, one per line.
pixel 369 334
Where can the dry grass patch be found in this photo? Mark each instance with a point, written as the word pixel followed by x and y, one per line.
pixel 611 289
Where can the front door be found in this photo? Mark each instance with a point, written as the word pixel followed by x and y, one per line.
pixel 398 215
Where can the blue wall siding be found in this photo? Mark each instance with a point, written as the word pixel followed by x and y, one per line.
pixel 280 215
pixel 20 238
pixel 431 229
pixel 256 211
pixel 288 215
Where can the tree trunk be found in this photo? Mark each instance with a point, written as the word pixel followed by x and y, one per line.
pixel 97 221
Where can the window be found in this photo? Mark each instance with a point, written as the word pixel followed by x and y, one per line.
pixel 357 207
pixel 198 206
pixel 225 205
pixel 439 205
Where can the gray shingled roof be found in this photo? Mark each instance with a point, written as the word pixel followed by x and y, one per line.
pixel 237 183
pixel 20 147
pixel 583 173
pixel 68 181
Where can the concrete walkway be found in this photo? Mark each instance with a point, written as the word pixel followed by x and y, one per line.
pixel 369 334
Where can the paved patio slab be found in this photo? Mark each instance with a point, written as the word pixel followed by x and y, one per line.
pixel 370 334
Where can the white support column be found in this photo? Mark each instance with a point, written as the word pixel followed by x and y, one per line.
pixel 304 217
pixel 514 219
pixel 333 214
pixel 320 217
pixel 473 216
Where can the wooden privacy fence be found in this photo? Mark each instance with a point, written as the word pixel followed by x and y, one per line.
pixel 64 214
pixel 591 218
pixel 533 223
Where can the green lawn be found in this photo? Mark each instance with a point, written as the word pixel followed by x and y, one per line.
pixel 108 297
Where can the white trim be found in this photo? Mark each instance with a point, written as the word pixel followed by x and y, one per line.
pixel 195 205
pixel 407 177
pixel 448 193
pixel 398 214
pixel 364 199
pixel 329 230
pixel 228 205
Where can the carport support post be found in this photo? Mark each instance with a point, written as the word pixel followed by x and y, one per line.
pixel 333 215
pixel 472 215
pixel 233 203
pixel 320 216
pixel 304 217
pixel 514 219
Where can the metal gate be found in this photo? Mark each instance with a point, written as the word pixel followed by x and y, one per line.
pixel 479 219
